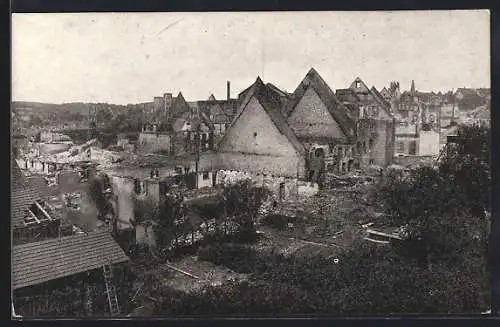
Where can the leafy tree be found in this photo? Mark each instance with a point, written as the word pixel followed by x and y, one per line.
pixel 243 201
pixel 443 206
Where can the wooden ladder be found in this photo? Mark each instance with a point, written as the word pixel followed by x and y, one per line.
pixel 90 294
pixel 114 309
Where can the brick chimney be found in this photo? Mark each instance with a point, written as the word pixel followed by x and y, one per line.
pixel 228 90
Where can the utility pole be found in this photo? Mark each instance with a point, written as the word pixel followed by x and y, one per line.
pixel 198 144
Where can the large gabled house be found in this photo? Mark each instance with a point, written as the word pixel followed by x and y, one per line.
pixel 325 126
pixel 261 143
pixel 328 133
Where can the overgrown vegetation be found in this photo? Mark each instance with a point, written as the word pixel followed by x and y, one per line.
pixel 441 268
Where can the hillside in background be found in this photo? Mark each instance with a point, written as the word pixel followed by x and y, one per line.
pixel 74 108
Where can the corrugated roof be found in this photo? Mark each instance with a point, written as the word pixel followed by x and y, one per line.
pixel 39 262
pixel 338 111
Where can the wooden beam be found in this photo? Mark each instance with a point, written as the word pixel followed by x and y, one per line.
pixel 181 271
pixel 34 216
pixel 43 210
pixel 371 231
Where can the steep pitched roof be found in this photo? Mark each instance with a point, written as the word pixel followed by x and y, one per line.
pixel 271 103
pixel 211 97
pixel 363 87
pixel 179 105
pixel 277 90
pixel 39 262
pixel 337 110
pixel 385 104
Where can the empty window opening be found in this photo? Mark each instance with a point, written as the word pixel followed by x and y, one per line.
pixel 371 161
pixel 282 191
pixel 371 143
pixel 205 176
pixel 350 165
pixel 254 134
pixel 311 175
pixel 340 151
pixel 318 152
pixel 140 187
pixel 413 148
pixel 400 148
pixel 358 84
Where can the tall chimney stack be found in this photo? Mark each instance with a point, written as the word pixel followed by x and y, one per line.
pixel 228 90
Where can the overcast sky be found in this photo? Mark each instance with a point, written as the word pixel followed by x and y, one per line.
pixel 129 58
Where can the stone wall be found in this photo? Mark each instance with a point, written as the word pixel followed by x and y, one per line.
pixel 282 188
pixel 289 166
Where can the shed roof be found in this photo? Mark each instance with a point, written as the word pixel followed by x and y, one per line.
pixel 39 262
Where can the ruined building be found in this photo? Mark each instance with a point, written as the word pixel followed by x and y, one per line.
pixel 301 136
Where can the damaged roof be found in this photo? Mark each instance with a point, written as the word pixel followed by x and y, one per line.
pixel 24 192
pixel 271 103
pixel 338 111
pixel 38 262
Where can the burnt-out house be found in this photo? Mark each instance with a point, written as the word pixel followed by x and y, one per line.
pixel 74 275
pixel 261 145
pixel 147 180
pixel 325 127
pixel 34 214
pixel 192 133
pixel 375 124
pixel 220 112
pixel 158 129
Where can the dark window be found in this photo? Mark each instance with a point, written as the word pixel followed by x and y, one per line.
pixel 205 176
pixel 370 143
pixel 371 162
pixel 400 147
pixel 254 134
pixel 318 152
pixel 413 148
pixel 137 186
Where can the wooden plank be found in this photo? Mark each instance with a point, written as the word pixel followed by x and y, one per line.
pixel 376 241
pixel 181 271
pixel 314 243
pixel 371 231
pixel 43 210
pixel 34 216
